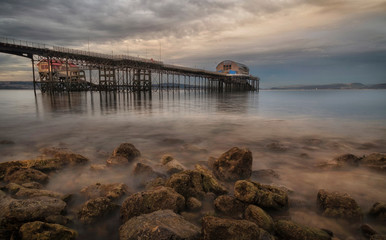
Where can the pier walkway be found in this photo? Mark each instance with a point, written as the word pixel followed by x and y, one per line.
pixel 103 72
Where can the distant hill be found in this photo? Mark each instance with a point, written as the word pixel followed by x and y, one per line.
pixel 17 85
pixel 332 86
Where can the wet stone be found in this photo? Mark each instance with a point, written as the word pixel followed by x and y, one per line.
pixel 227 205
pixel 95 209
pixel 46 231
pixel 24 175
pixel 112 190
pixel 378 211
pixel 260 217
pixel 293 231
pixel 162 224
pixel 264 196
pixel 339 205
pixel 117 161
pixel 127 150
pixel 159 198
pixel 375 161
pixel 214 228
pixel 233 165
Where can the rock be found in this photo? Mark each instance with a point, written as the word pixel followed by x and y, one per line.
pixel 117 161
pixel 276 147
pixel 229 206
pixel 340 205
pixel 65 157
pixel 264 175
pixel 159 198
pixel 22 192
pixel 193 148
pixel 37 208
pixel 166 158
pixel 14 212
pixel 233 165
pixel 6 142
pixel 376 161
pixel 24 175
pixel 378 237
pixel 214 228
pixel 128 151
pixel 367 230
pixel 172 166
pixel 162 224
pixel 209 182
pixel 143 173
pixel 260 217
pixel 348 159
pixel 58 219
pixel 211 161
pixel 33 185
pixel 96 208
pixel 378 211
pixel 46 231
pixel 6 165
pixel 98 167
pixel 264 196
pixel 12 188
pixel 193 204
pixel 194 183
pixel 112 191
pixel 159 181
pixel 293 231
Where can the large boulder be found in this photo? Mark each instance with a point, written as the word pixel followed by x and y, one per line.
pixel 340 205
pixel 13 212
pixel 195 183
pixel 214 228
pixel 265 196
pixel 46 231
pixel 159 225
pixel 112 191
pixel 24 175
pixel 128 151
pixel 159 198
pixel 233 165
pixel 229 206
pixel 260 217
pixel 376 161
pixel 289 230
pixel 378 211
pixel 94 209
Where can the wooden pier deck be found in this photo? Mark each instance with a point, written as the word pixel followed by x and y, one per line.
pixel 103 72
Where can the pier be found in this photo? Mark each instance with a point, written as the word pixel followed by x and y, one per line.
pixel 103 72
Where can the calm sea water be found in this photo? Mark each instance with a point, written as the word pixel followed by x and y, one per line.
pixel 309 126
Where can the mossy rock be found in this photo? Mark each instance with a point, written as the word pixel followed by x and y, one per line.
pixel 265 196
pixel 289 230
pixel 46 231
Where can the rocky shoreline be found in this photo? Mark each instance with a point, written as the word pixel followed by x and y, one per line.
pixel 219 199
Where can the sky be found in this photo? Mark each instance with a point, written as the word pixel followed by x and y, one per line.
pixel 284 42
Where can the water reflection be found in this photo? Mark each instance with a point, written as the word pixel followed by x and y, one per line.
pixel 289 132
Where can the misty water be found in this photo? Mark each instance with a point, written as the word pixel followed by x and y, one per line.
pixel 307 128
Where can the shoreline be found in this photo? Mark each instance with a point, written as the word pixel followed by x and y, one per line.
pixel 219 199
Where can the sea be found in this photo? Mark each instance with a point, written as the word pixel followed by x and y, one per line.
pixel 289 132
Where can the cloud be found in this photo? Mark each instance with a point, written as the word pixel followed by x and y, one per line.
pixel 201 33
